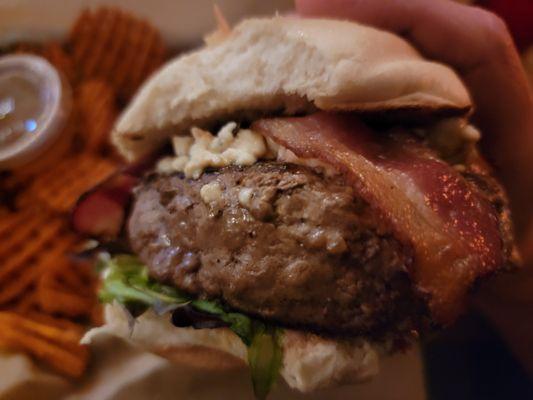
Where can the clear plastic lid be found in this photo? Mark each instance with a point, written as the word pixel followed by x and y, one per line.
pixel 34 106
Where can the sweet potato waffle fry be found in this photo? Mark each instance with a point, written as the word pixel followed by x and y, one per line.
pixel 96 106
pixel 38 280
pixel 60 186
pixel 28 48
pixel 47 299
pixel 53 345
pixel 24 238
pixel 58 57
pixel 11 186
pixel 61 323
pixel 113 45
pixel 37 274
pixel 55 54
pixel 65 289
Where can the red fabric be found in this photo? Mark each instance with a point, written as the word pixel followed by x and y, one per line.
pixel 519 17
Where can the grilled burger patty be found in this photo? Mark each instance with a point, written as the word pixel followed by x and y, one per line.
pixel 279 241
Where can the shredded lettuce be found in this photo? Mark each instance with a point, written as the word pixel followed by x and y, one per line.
pixel 126 280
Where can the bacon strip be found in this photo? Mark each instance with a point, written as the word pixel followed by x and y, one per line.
pixel 453 229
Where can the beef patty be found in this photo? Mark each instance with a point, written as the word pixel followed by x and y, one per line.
pixel 278 241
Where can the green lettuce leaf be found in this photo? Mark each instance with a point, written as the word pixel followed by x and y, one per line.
pixel 240 324
pixel 126 280
pixel 264 357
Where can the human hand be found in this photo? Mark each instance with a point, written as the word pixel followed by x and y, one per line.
pixel 478 45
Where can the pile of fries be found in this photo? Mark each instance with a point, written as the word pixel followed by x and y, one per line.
pixel 47 295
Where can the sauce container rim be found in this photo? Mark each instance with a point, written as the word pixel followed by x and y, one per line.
pixel 54 111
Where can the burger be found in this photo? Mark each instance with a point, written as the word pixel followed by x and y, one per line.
pixel 305 196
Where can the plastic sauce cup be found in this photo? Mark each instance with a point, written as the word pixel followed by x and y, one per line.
pixel 35 103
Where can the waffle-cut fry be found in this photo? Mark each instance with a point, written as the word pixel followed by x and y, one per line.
pixel 60 187
pixel 67 276
pixel 70 280
pixel 9 221
pixel 47 299
pixel 37 235
pixel 65 287
pixel 55 355
pixel 54 53
pixel 85 272
pixel 96 105
pixel 11 186
pixel 97 315
pixel 28 48
pixel 27 303
pixel 60 291
pixel 15 288
pixel 58 348
pixel 61 323
pixel 37 243
pixel 57 56
pixel 46 331
pixel 113 45
pixel 55 301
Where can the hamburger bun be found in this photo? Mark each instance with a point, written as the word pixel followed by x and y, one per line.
pixel 309 361
pixel 288 65
pixel 280 65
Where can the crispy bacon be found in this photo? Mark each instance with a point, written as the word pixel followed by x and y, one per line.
pixel 452 228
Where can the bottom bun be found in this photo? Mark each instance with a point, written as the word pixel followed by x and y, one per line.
pixel 202 357
pixel 309 362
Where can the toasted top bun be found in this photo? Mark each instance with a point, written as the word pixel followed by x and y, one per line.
pixel 309 362
pixel 288 65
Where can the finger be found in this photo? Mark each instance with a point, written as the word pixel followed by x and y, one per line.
pixel 478 44
pixel 436 27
